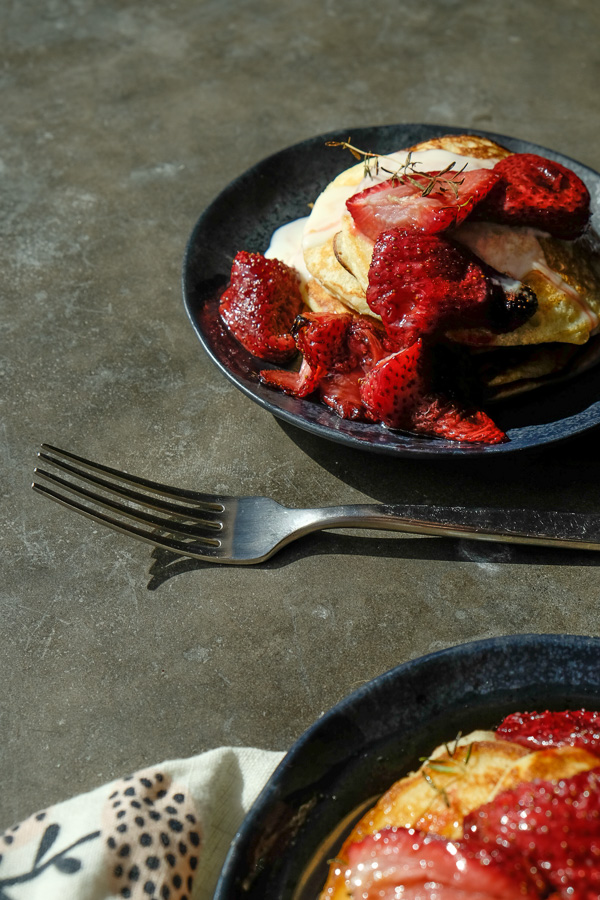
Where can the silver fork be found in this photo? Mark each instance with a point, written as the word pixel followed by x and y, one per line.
pixel 244 530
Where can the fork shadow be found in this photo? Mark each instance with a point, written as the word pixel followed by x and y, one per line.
pixel 167 564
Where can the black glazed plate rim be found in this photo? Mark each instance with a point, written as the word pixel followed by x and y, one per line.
pixel 278 190
pixel 358 748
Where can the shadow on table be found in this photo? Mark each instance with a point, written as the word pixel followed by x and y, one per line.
pixel 559 477
pixel 166 564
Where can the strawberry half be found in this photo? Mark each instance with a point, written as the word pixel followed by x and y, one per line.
pixel 423 202
pixel 397 392
pixel 406 863
pixel 298 384
pixel 538 193
pixel 260 304
pixel 393 389
pixel 443 418
pixel 337 349
pixel 339 341
pixel 322 338
pixel 425 284
pixel 575 728
pixel 553 827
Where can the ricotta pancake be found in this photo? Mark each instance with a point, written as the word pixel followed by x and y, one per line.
pixel 329 227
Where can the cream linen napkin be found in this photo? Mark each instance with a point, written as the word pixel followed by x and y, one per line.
pixel 159 834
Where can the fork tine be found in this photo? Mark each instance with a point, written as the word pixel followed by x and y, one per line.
pixel 209 512
pixel 195 549
pixel 190 523
pixel 172 526
pixel 58 457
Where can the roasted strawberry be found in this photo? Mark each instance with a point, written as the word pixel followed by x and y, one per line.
pixel 423 285
pixel 403 862
pixel 368 341
pixel 443 418
pixel 298 384
pixel 538 193
pixel 322 338
pixel 423 202
pixel 553 827
pixel 398 392
pixel 337 350
pixel 575 728
pixel 339 342
pixel 260 304
pixel 340 391
pixel 395 386
pixel 360 373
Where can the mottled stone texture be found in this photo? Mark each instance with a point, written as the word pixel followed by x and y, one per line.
pixel 119 122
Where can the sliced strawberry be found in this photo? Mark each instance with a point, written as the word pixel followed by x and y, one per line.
pixel 337 350
pixel 368 342
pixel 397 392
pixel 553 827
pixel 403 862
pixel 340 391
pixel 339 341
pixel 347 346
pixel 260 304
pixel 539 193
pixel 420 284
pixel 445 419
pixel 346 358
pixel 574 728
pixel 322 338
pixel 421 202
pixel 425 284
pixel 395 386
pixel 298 384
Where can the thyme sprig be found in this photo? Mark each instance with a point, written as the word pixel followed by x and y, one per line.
pixel 451 766
pixel 407 171
pixel 439 790
pixel 456 740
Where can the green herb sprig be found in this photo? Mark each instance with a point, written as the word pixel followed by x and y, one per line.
pixel 407 171
pixel 451 766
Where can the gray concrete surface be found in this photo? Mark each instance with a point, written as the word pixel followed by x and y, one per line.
pixel 120 122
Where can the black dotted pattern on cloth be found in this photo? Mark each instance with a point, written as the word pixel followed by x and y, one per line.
pixel 152 839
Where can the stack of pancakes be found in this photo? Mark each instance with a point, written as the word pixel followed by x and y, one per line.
pixel 557 341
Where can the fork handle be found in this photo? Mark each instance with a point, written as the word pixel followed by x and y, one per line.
pixel 514 526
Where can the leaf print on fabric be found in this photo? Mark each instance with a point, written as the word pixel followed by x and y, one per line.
pixel 48 838
pixel 63 860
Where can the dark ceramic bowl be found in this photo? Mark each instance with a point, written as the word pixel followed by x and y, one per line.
pixel 278 190
pixel 354 752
